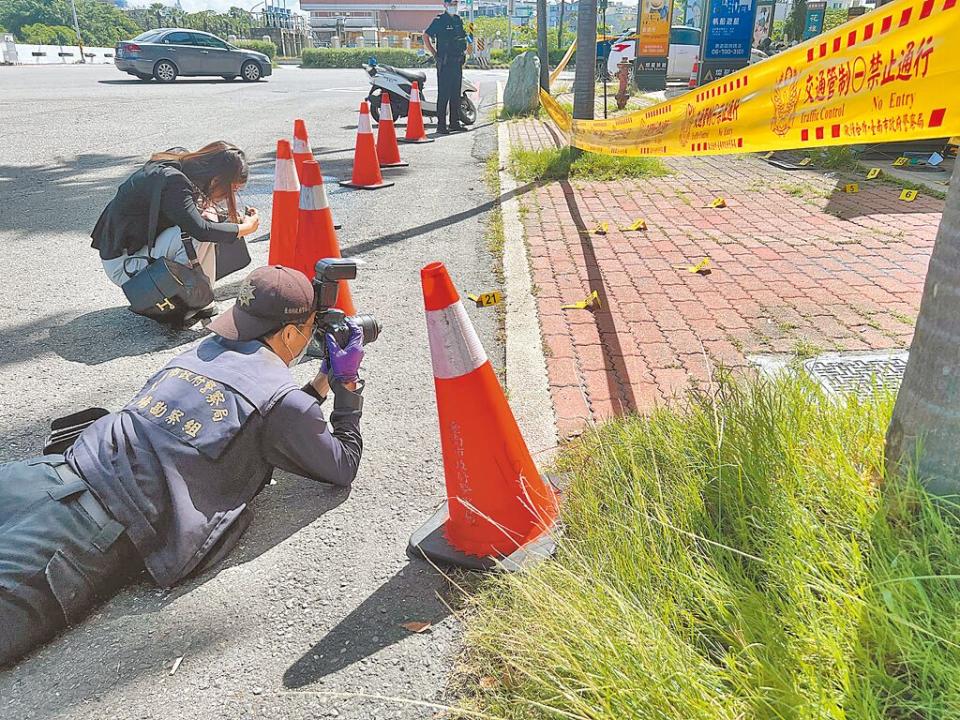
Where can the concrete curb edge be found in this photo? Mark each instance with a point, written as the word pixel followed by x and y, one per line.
pixel 526 366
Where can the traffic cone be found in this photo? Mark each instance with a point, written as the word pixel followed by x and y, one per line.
pixel 694 74
pixel 415 132
pixel 498 509
pixel 286 202
pixel 301 146
pixel 388 154
pixel 366 166
pixel 316 238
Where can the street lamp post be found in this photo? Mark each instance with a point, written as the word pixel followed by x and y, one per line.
pixel 76 26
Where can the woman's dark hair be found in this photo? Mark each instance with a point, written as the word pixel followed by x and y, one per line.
pixel 214 169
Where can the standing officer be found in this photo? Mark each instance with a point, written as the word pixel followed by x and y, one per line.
pixel 450 52
pixel 165 482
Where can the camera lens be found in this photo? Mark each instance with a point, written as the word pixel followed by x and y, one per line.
pixel 370 326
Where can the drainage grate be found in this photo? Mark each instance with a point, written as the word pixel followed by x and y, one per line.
pixel 858 372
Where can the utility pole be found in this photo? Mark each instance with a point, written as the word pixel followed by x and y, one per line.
pixel 542 45
pixel 585 70
pixel 509 30
pixel 76 26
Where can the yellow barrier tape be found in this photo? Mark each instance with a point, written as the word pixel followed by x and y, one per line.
pixel 880 77
pixel 563 62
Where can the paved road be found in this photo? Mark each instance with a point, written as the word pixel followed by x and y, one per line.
pixel 313 600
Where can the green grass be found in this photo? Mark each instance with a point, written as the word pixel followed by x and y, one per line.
pixel 741 558
pixel 560 163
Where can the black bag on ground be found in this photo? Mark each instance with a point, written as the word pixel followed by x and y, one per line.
pixel 231 256
pixel 165 290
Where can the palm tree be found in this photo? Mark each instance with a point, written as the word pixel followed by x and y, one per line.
pixel 586 67
pixel 157 10
pixel 926 419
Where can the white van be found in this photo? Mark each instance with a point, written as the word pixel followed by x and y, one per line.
pixel 683 52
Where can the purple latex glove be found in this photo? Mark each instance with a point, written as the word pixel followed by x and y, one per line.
pixel 345 362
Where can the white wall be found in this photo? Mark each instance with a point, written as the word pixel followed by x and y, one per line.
pixel 60 55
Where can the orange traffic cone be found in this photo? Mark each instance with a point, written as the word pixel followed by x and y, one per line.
pixel 316 238
pixel 301 146
pixel 498 507
pixel 286 202
pixel 694 74
pixel 388 154
pixel 366 167
pixel 415 132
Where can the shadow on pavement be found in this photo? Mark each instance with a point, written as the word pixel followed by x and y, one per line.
pixel 417 593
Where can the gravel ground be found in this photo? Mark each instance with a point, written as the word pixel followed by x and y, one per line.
pixel 304 619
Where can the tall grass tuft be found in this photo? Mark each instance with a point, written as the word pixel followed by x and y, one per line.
pixel 742 558
pixel 563 163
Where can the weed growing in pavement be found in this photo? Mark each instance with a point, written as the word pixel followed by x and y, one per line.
pixel 804 189
pixel 742 557
pixel 561 163
pixel 835 158
pixel 804 349
pixel 906 319
pixel 496 240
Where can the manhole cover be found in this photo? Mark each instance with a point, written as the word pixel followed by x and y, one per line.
pixel 857 372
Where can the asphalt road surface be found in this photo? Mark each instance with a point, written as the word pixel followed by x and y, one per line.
pixel 303 620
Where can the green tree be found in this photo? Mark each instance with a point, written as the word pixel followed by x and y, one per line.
pixel 40 34
pixel 835 17
pixel 100 23
pixel 793 28
pixel 925 426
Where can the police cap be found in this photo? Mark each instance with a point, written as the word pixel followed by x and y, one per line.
pixel 268 299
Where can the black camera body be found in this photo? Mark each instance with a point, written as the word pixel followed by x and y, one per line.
pixel 326 288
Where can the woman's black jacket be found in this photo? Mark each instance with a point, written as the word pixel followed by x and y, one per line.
pixel 124 223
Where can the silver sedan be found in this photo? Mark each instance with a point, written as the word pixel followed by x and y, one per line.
pixel 167 53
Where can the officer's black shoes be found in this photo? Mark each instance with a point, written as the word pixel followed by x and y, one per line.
pixel 442 130
pixel 457 128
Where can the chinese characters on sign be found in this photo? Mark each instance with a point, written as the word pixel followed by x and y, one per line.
pixel 653 45
pixel 813 22
pixel 727 38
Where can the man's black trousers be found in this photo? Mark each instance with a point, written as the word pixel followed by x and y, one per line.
pixel 449 81
pixel 60 553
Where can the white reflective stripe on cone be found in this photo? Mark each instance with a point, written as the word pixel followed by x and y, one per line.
pixel 300 146
pixel 386 111
pixel 285 177
pixel 455 349
pixel 313 197
pixel 414 96
pixel 363 125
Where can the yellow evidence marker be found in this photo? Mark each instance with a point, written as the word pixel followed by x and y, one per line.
pixel 908 195
pixel 873 174
pixel 701 268
pixel 767 156
pixel 601 229
pixel 637 225
pixel 590 301
pixel 806 161
pixel 900 162
pixel 851 188
pixel 487 299
pixel 718 203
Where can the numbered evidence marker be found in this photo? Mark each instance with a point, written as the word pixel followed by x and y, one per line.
pixel 718 203
pixel 806 161
pixel 487 299
pixel 908 195
pixel 900 161
pixel 851 188
pixel 873 174
pixel 590 301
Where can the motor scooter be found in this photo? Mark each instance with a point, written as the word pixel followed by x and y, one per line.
pixel 397 82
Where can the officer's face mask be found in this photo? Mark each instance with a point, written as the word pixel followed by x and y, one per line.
pixel 299 356
pixel 451 9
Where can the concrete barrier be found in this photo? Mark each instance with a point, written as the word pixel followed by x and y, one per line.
pixel 59 55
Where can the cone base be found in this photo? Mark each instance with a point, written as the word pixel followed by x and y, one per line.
pixel 357 186
pixel 429 541
pixel 387 166
pixel 418 140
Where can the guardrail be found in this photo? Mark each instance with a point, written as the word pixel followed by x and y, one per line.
pixel 56 55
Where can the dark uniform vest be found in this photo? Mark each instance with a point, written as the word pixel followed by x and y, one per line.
pixel 451 38
pixel 179 463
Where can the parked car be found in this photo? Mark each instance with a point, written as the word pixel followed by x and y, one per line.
pixel 167 53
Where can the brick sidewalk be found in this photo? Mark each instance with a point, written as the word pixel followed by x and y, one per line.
pixel 798 266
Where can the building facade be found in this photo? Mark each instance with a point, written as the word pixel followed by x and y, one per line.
pixel 369 23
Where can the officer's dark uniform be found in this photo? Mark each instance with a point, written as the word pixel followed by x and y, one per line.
pixel 163 483
pixel 450 40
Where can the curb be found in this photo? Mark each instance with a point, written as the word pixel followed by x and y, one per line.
pixel 526 367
